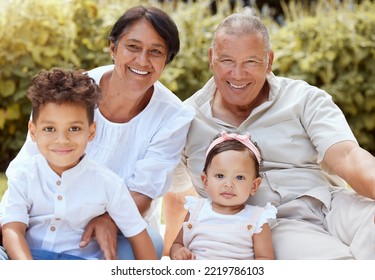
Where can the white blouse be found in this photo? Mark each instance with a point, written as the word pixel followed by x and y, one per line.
pixel 143 151
pixel 208 215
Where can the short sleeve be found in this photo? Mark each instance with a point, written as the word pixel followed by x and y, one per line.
pixel 268 214
pixel 190 202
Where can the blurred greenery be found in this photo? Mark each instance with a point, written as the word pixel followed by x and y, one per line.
pixel 330 44
pixel 3 184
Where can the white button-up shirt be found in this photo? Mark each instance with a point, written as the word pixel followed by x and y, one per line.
pixel 57 209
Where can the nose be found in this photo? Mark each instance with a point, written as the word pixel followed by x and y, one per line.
pixel 238 70
pixel 62 137
pixel 142 58
pixel 229 183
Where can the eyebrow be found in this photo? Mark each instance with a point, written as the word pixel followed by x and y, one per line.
pixel 48 122
pixel 157 45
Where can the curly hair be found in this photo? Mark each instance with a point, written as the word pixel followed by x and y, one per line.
pixel 62 86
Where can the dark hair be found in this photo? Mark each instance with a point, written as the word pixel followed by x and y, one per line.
pixel 163 24
pixel 229 145
pixel 63 86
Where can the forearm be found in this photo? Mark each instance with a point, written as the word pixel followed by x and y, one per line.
pixel 354 164
pixel 142 246
pixel 361 175
pixel 142 201
pixel 15 245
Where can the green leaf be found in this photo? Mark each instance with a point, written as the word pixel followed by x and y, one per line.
pixel 7 87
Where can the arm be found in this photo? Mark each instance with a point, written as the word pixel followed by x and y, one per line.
pixel 104 229
pixel 178 251
pixel 14 241
pixel 354 164
pixel 263 247
pixel 142 201
pixel 142 246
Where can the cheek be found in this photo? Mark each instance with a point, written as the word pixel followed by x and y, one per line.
pixel 159 66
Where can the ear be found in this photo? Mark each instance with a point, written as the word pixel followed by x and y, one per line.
pixel 211 55
pixel 112 49
pixel 92 131
pixel 32 130
pixel 255 185
pixel 204 179
pixel 270 61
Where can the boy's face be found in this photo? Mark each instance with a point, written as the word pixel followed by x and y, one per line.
pixel 61 133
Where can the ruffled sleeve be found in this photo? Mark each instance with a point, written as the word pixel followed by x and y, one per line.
pixel 190 202
pixel 268 216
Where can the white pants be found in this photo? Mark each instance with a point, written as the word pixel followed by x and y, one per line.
pixel 306 230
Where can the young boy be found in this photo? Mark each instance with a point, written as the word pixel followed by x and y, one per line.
pixel 55 194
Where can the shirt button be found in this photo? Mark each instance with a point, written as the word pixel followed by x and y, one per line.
pixel 58 182
pixel 59 197
pixel 190 226
pixel 249 227
pixel 52 228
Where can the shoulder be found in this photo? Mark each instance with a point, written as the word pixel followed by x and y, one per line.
pixel 27 171
pixel 97 73
pixel 170 102
pixel 28 166
pixel 293 88
pixel 100 172
pixel 164 94
pixel 203 95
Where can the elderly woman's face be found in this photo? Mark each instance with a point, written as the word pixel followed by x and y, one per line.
pixel 140 56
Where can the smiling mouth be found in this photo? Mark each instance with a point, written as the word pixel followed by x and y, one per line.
pixel 237 86
pixel 62 151
pixel 139 72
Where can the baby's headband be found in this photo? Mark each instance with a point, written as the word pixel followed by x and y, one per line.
pixel 244 139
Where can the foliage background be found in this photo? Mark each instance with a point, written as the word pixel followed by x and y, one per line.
pixel 329 45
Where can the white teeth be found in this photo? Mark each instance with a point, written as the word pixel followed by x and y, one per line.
pixel 138 71
pixel 237 87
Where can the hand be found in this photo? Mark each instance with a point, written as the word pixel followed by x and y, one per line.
pixel 183 254
pixel 104 230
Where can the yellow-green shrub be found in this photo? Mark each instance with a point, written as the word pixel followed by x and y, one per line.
pixel 331 48
pixel 334 49
pixel 33 35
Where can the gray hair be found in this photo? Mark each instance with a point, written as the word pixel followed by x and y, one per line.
pixel 243 24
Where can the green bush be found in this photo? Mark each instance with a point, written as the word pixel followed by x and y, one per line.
pixel 33 35
pixel 329 46
pixel 334 49
pixel 3 184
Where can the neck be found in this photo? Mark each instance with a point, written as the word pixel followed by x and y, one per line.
pixel 118 105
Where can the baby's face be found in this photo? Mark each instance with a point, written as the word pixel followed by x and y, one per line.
pixel 230 180
pixel 61 133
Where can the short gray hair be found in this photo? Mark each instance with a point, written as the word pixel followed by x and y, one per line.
pixel 243 24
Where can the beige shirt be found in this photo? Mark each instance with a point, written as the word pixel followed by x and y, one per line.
pixel 293 130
